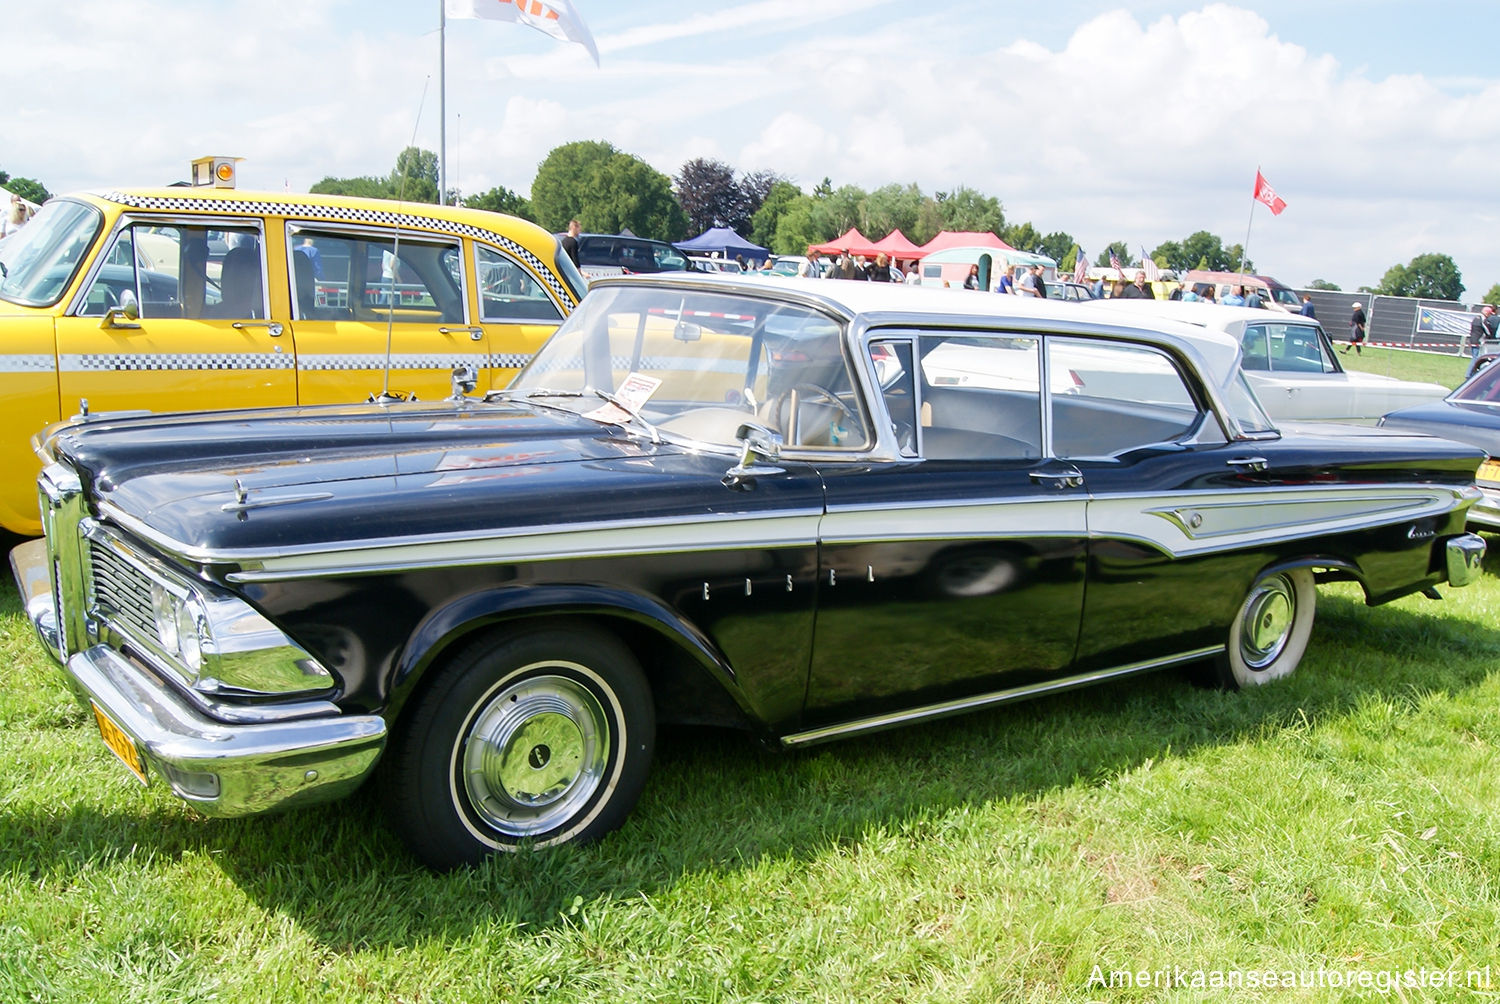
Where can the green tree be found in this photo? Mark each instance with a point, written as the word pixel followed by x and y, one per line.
pixel 413 179
pixel 363 187
pixel 891 207
pixel 626 192
pixel 1431 276
pixel 560 192
pixel 801 223
pixel 502 200
pixel 26 188
pixel 1493 296
pixel 767 218
pixel 1119 248
pixel 966 209
pixel 929 221
pixel 1021 236
pixel 707 192
pixel 1059 245
pixel 1325 284
pixel 841 209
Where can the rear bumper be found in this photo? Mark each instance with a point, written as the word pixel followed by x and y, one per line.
pixel 1465 558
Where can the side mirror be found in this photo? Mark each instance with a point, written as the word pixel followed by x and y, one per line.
pixel 757 444
pixel 465 378
pixel 125 315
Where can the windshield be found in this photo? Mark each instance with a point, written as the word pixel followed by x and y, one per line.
pixel 699 365
pixel 1482 388
pixel 40 259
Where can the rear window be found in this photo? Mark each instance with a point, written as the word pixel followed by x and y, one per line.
pixel 633 254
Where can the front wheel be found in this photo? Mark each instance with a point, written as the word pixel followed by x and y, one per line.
pixel 1270 630
pixel 544 736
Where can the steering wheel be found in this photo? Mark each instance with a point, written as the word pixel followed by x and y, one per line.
pixel 781 400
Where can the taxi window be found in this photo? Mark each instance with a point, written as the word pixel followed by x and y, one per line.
pixel 339 276
pixel 181 271
pixel 508 292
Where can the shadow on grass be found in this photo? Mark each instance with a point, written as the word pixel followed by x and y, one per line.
pixel 717 802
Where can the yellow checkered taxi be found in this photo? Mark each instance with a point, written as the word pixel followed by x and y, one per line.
pixel 180 299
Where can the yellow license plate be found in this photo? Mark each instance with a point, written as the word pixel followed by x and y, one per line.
pixel 119 743
pixel 1489 471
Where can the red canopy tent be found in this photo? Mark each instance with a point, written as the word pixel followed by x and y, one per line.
pixel 853 241
pixel 897 245
pixel 964 238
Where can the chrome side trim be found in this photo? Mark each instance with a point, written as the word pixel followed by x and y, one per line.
pixel 879 723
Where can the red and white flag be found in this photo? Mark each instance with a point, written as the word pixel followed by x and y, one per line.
pixel 1265 193
pixel 552 17
pixel 1080 266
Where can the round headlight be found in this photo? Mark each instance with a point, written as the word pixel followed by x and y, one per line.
pixel 164 611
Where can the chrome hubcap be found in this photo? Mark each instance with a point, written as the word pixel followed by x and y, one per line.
pixel 535 754
pixel 1266 621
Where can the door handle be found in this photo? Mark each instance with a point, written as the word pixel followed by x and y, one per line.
pixel 475 334
pixel 1059 479
pixel 1253 463
pixel 274 327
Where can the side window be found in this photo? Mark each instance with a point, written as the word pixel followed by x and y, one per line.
pixel 183 271
pixel 375 277
pixel 507 292
pixel 1256 351
pixel 1296 348
pixel 891 362
pixel 980 397
pixel 1109 397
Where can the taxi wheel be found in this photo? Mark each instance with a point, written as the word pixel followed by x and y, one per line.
pixel 1270 630
pixel 538 738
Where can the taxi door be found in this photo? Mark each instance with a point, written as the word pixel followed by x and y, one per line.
pixel 380 311
pixel 182 327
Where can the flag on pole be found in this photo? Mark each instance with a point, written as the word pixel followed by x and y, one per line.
pixel 1148 264
pixel 1114 263
pixel 1080 266
pixel 1265 193
pixel 552 17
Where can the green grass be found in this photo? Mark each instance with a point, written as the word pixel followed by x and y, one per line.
pixel 1407 364
pixel 1344 819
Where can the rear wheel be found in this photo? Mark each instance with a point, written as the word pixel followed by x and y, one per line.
pixel 1271 629
pixel 544 736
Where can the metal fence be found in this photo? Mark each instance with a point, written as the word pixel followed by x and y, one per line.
pixel 1398 321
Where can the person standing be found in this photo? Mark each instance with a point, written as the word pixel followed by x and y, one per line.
pixel 1236 297
pixel 913 274
pixel 813 267
pixel 971 281
pixel 1007 282
pixel 880 271
pixel 1479 330
pixel 1040 282
pixel 15 218
pixel 1357 322
pixel 569 241
pixel 1137 290
pixel 1307 307
pixel 1026 285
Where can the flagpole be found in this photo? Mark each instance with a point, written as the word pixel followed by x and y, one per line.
pixel 442 104
pixel 1245 248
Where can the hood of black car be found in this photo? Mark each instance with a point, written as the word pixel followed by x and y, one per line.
pixel 294 477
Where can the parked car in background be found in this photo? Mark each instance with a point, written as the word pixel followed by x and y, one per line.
pixel 1274 294
pixel 600 255
pixel 1291 363
pixel 1067 290
pixel 185 298
pixel 809 510
pixel 1471 414
pixel 706 264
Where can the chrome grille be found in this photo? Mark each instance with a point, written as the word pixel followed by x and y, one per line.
pixel 121 593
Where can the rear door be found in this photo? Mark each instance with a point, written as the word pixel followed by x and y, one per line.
pixel 375 310
pixel 204 338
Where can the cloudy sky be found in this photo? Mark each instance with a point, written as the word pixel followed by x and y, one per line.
pixel 1377 120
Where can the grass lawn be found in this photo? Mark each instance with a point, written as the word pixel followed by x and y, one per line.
pixel 1407 364
pixel 1340 823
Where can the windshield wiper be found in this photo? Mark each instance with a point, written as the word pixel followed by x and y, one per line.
pixel 629 410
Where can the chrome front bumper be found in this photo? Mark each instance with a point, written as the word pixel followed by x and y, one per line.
pixel 221 768
pixel 1486 512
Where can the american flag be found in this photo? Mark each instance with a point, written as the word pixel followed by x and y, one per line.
pixel 1080 266
pixel 1114 263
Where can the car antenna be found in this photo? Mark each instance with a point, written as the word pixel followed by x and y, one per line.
pixel 385 396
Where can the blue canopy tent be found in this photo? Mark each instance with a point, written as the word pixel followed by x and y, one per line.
pixel 726 242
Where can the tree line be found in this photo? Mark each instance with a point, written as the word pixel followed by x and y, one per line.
pixel 608 190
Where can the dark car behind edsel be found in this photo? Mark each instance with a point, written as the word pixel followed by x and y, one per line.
pixel 808 509
pixel 1471 414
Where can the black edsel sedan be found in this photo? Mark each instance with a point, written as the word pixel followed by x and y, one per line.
pixel 812 509
pixel 1471 414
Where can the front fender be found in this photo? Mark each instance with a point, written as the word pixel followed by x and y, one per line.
pixel 454 622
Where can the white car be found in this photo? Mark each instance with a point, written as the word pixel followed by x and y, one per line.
pixel 707 264
pixel 1290 363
